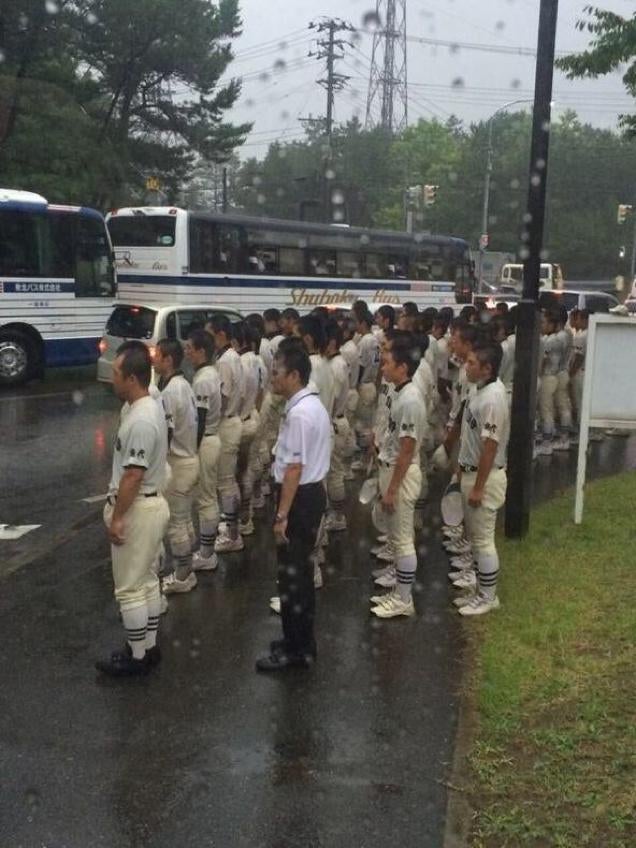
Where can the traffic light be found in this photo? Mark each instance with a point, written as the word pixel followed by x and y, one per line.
pixel 430 194
pixel 623 211
pixel 413 195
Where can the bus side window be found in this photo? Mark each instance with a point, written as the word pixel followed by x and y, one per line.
pixel 396 267
pixel 229 247
pixel 202 242
pixel 171 326
pixel 322 263
pixel 349 264
pixel 375 265
pixel 291 261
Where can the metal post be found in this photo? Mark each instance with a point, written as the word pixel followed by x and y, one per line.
pixel 225 192
pixel 527 346
pixel 633 265
pixel 486 207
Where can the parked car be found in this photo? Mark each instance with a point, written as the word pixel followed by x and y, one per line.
pixel 594 301
pixel 150 323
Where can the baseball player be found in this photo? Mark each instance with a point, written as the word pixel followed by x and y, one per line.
pixel 271 408
pixel 400 478
pixel 369 350
pixel 181 416
pixel 351 355
pixel 562 399
pixel 228 364
pixel 246 343
pixel 550 366
pixel 483 449
pixel 336 520
pixel 206 385
pixel 136 513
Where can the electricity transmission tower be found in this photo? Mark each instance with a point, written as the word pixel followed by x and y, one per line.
pixel 387 100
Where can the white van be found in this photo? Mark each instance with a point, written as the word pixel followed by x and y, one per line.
pixel 150 323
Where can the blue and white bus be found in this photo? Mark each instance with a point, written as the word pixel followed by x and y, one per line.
pixel 166 255
pixel 57 285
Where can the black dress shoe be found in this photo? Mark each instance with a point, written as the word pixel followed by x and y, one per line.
pixel 277 645
pixel 279 661
pixel 122 664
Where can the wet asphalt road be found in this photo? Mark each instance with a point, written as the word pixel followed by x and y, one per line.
pixel 206 752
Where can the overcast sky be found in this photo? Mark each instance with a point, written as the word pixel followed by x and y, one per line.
pixel 280 80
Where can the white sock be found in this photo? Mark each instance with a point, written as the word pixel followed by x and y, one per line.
pixel 487 573
pixel 406 567
pixel 136 623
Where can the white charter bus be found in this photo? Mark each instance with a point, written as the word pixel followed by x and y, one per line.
pixel 57 285
pixel 168 254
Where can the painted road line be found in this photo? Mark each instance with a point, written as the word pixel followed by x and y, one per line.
pixel 11 532
pixel 94 499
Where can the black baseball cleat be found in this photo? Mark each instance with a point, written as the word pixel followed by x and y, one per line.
pixel 152 657
pixel 123 664
pixel 278 660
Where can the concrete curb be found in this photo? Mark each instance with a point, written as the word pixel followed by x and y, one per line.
pixel 459 812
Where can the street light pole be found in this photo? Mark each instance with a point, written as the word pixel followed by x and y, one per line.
pixel 487 183
pixel 527 345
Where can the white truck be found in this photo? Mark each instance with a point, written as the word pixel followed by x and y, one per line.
pixel 511 277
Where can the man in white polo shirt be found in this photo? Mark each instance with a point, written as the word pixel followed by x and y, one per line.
pixel 300 467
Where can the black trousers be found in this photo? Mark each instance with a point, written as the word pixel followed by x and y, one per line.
pixel 296 571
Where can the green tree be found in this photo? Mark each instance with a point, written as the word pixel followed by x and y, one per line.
pixel 612 47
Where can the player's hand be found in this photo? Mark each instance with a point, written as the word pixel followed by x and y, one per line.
pixel 116 532
pixel 280 532
pixel 388 501
pixel 475 497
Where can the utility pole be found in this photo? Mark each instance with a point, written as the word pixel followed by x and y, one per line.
pixel 225 199
pixel 527 347
pixel 330 49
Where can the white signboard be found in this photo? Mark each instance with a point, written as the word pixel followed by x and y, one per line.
pixel 609 388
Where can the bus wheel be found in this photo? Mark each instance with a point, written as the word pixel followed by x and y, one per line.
pixel 17 358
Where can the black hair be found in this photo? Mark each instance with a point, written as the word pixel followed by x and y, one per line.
pixel 256 322
pixel 489 353
pixel 359 308
pixel 446 313
pixel 405 350
pixel 468 312
pixel 333 331
pixel 272 315
pixel 220 323
pixel 313 325
pixel 290 314
pixel 240 334
pixel 173 349
pixel 502 307
pixel 136 361
pixel 430 312
pixel 364 318
pixel 468 332
pixel 387 312
pixel 410 309
pixel 292 354
pixel 200 340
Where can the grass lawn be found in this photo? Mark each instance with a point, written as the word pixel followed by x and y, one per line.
pixel 553 762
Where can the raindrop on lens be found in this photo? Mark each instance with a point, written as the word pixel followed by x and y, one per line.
pixel 261 199
pixel 330 174
pixel 536 180
pixel 337 197
pixel 51 7
pixel 458 82
pixel 371 21
pixel 78 397
pixel 280 65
